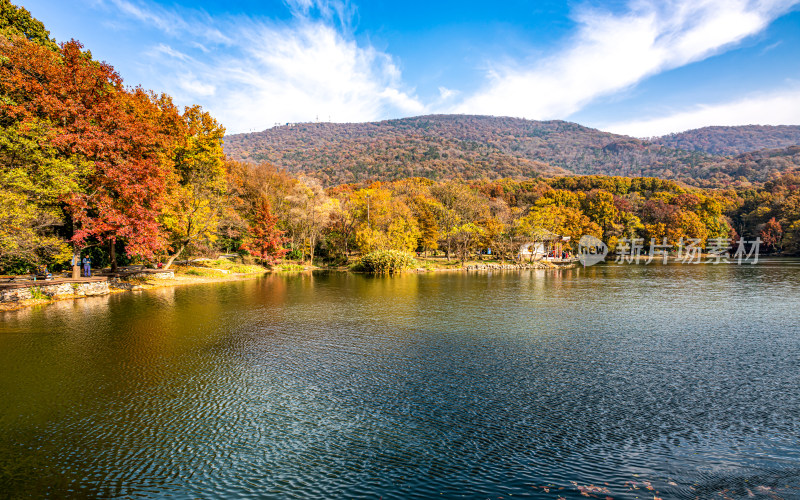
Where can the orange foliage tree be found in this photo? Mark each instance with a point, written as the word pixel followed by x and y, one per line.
pixel 109 134
pixel 266 241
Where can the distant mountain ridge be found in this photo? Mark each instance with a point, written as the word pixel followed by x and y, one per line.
pixel 473 147
pixel 736 140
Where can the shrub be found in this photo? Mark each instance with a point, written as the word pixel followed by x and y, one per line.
pixel 289 266
pixel 38 294
pixel 294 254
pixel 386 261
pixel 246 269
pixel 199 271
pixel 213 264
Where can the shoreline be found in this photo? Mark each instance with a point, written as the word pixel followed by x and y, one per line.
pixel 134 285
pixel 204 275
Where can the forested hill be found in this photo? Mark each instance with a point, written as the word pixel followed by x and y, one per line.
pixel 733 140
pixel 474 147
pixel 759 165
pixel 447 146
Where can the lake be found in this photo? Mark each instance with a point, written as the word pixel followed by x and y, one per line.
pixel 605 381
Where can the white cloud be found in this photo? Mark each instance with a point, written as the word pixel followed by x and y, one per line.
pixel 328 10
pixel 612 52
pixel 165 49
pixel 777 108
pixel 251 74
pixel 274 73
pixel 192 85
pixel 302 72
pixel 151 14
pixel 445 93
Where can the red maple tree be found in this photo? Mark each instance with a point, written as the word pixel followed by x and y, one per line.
pixel 771 234
pixel 266 240
pixel 112 135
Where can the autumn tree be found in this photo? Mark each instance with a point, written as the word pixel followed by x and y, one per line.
pixel 771 234
pixel 791 239
pixel 461 205
pixel 385 222
pixel 18 22
pixel 124 192
pixel 35 174
pixel 246 186
pixel 195 203
pixel 561 198
pixel 108 156
pixel 342 225
pixel 265 241
pixel 601 209
pixel 559 220
pixel 425 211
pixel 310 211
pixel 491 232
pixel 465 238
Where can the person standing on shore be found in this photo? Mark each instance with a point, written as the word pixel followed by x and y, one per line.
pixel 87 267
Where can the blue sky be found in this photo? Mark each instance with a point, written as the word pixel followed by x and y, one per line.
pixel 639 67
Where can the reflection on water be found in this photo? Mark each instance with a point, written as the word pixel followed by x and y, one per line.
pixel 674 381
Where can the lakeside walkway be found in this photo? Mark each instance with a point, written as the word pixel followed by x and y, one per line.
pixel 24 281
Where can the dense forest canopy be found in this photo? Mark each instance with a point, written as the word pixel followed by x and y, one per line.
pixel 473 147
pixel 733 140
pixel 91 166
pixel 451 146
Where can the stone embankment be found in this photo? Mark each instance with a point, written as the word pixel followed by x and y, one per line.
pixel 513 267
pixel 86 287
pixel 159 275
pixel 54 291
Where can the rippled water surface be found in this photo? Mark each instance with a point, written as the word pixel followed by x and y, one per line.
pixel 605 381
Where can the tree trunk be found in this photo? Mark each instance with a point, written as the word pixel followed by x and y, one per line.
pixel 113 255
pixel 76 267
pixel 535 250
pixel 76 258
pixel 174 256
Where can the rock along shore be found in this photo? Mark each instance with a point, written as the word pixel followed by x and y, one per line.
pixel 516 267
pixel 20 293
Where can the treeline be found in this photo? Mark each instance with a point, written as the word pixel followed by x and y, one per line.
pixel 762 165
pixel 90 166
pixel 733 140
pixel 460 218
